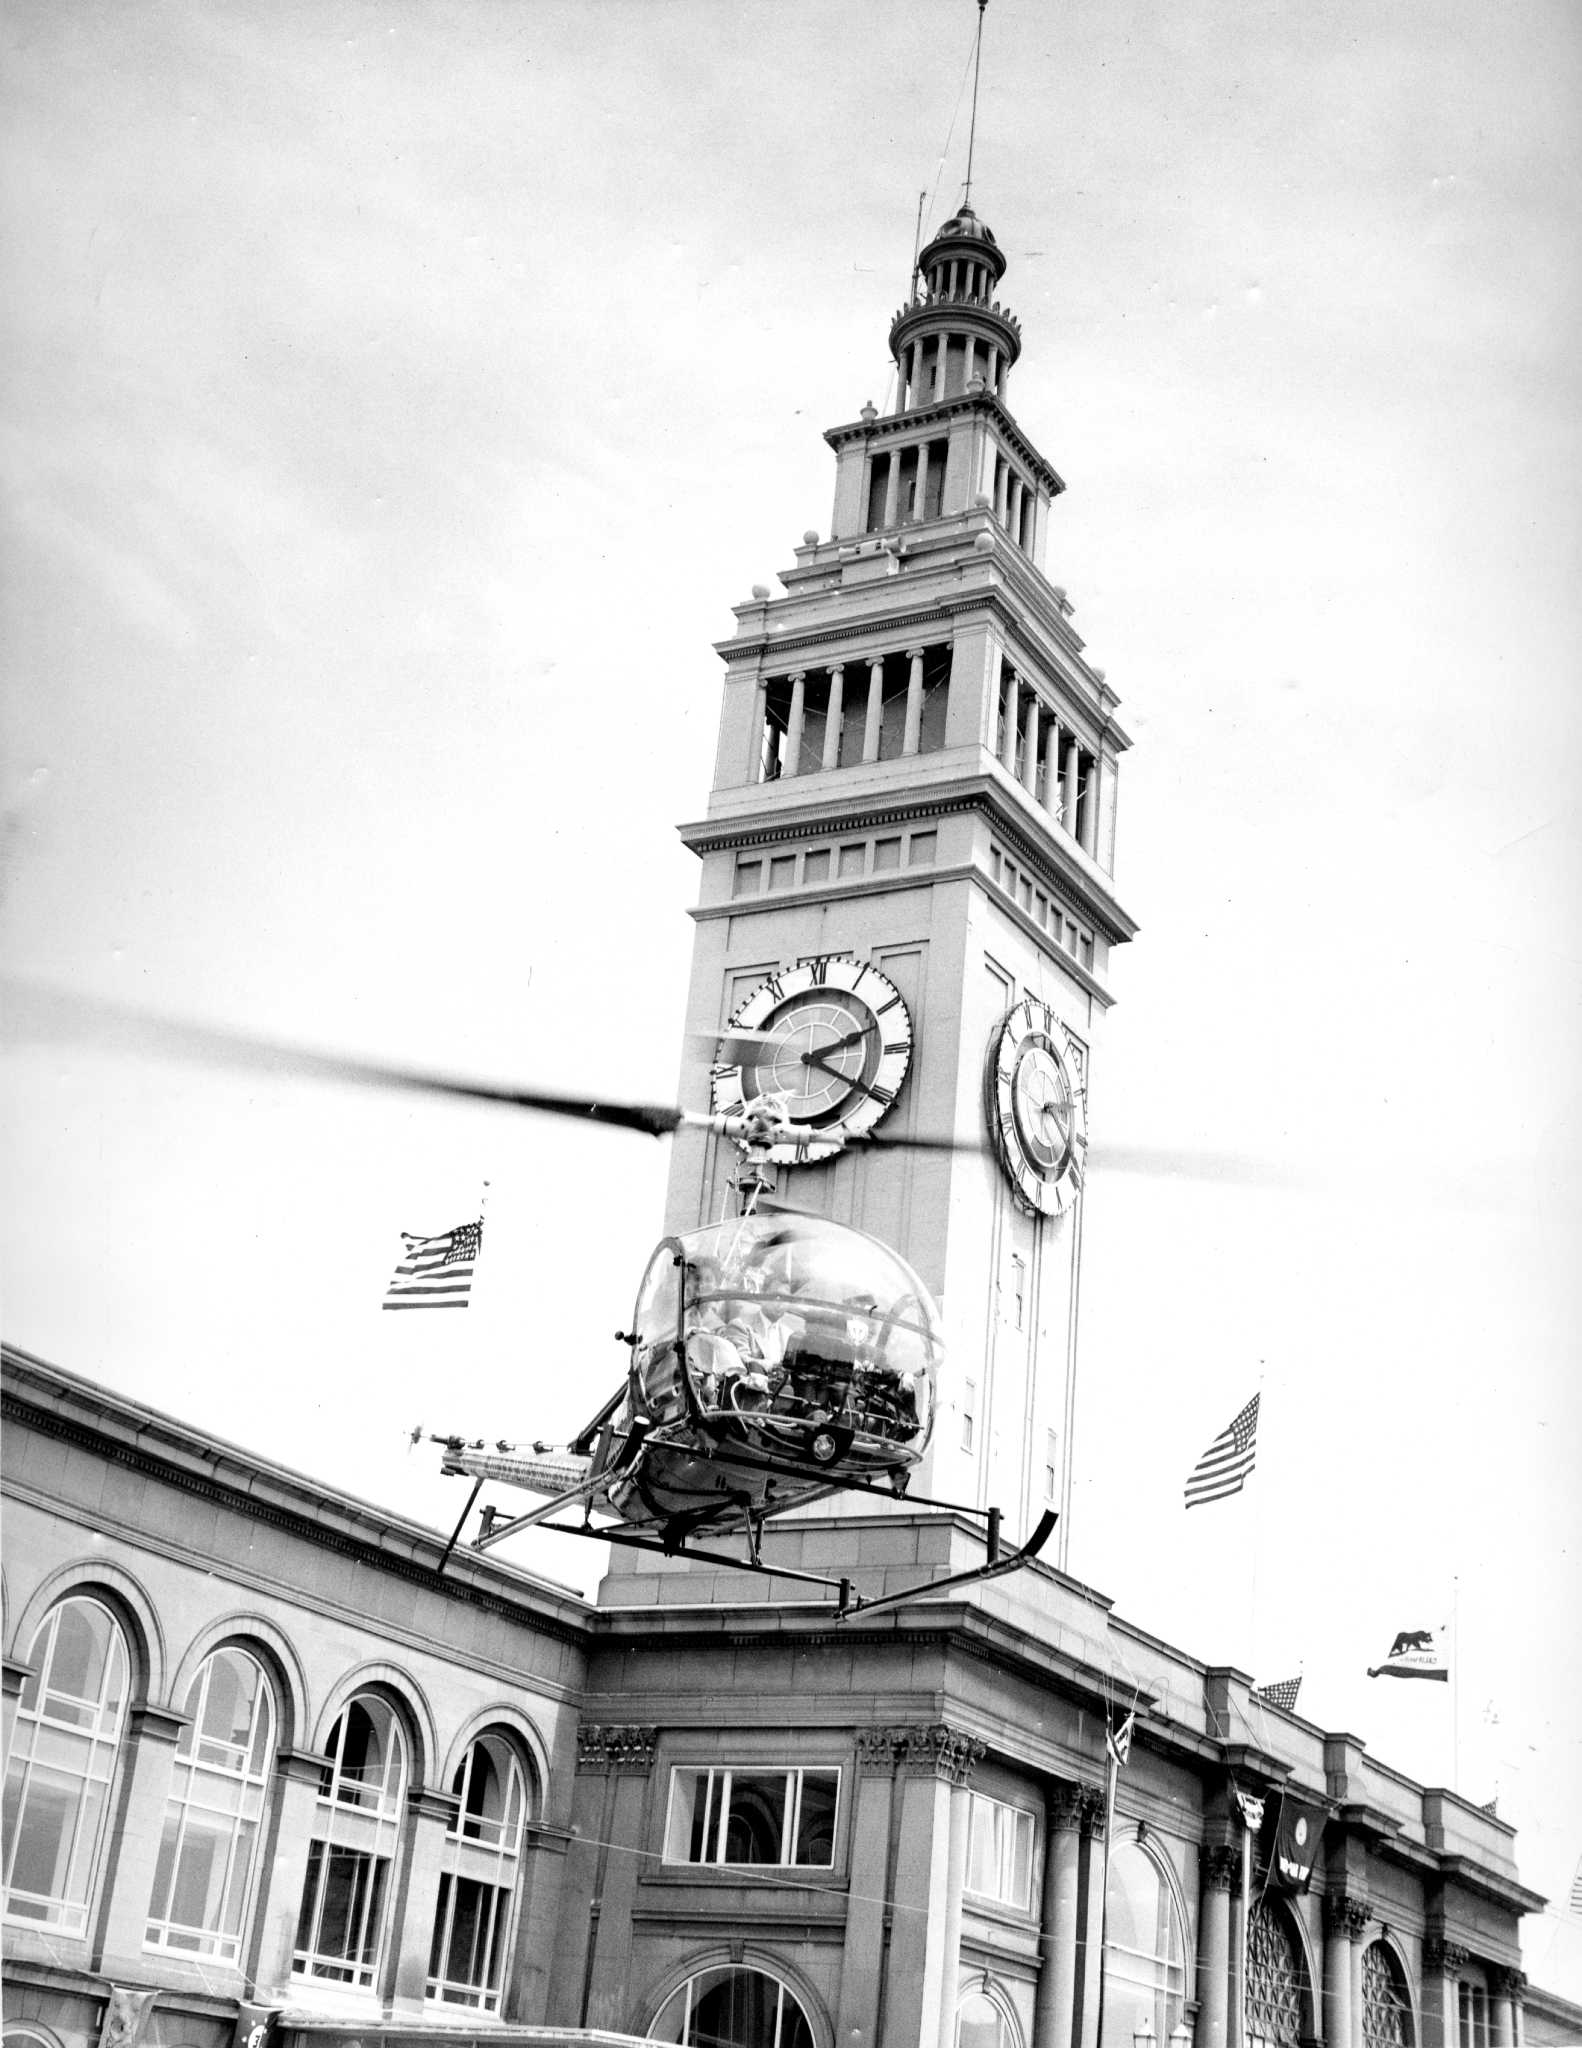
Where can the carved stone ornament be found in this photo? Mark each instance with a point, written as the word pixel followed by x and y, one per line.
pixel 1508 1981
pixel 1093 1813
pixel 1345 1915
pixel 947 1752
pixel 1065 1808
pixel 1439 1954
pixel 1221 1868
pixel 125 2014
pixel 878 1748
pixel 621 1746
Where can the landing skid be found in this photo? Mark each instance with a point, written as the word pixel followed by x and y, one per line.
pixel 847 1602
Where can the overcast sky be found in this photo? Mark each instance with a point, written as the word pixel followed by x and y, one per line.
pixel 395 400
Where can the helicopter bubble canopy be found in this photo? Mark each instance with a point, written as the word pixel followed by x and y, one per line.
pixel 789 1337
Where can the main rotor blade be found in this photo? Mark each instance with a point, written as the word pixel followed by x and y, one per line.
pixel 50 1016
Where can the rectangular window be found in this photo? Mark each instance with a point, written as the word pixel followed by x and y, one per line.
pixel 921 848
pixel 782 871
pixel 969 1403
pixel 1000 1853
pixel 753 1816
pixel 342 1914
pixel 886 854
pixel 748 878
pixel 815 866
pixel 853 859
pixel 1051 1465
pixel 464 1960
pixel 1018 1291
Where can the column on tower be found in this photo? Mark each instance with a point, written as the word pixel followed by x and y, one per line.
pixel 832 717
pixel 1030 745
pixel 1012 725
pixel 793 759
pixel 914 702
pixel 920 502
pixel 871 728
pixel 1014 509
pixel 1069 791
pixel 1052 802
pixel 892 489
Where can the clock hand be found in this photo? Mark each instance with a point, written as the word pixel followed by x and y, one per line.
pixel 813 1059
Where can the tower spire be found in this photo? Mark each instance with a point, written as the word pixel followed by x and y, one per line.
pixel 972 130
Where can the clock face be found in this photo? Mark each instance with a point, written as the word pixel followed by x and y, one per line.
pixel 1036 1109
pixel 838 1048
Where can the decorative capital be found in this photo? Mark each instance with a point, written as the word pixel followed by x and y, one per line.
pixel 878 1748
pixel 1065 1809
pixel 947 1752
pixel 1221 1868
pixel 914 654
pixel 1345 1915
pixel 1508 1981
pixel 1092 1813
pixel 621 1746
pixel 1439 1954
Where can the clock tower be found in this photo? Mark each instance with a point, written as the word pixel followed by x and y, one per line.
pixel 906 880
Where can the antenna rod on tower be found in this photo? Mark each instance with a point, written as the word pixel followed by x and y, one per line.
pixel 917 244
pixel 972 132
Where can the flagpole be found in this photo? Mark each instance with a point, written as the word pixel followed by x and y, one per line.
pixel 1455 1683
pixel 1104 1897
pixel 1246 1911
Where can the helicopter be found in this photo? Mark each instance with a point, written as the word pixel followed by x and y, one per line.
pixel 775 1358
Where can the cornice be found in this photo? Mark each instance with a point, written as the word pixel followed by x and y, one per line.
pixel 20 1407
pixel 885 424
pixel 1055 864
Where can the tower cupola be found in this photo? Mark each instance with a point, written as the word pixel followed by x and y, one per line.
pixel 953 328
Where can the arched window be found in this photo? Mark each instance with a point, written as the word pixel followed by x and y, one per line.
pixel 733 2009
pixel 1275 1982
pixel 340 1929
pixel 983 2023
pixel 477 1888
pixel 68 1733
pixel 1144 1948
pixel 1386 2008
pixel 218 1782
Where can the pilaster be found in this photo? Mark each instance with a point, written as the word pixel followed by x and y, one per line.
pixel 935 1764
pixel 624 1754
pixel 1219 1874
pixel 1055 2008
pixel 430 1816
pixel 294 1804
pixel 136 1828
pixel 1090 1915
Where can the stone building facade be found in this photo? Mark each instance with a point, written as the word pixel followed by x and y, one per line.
pixel 268 1767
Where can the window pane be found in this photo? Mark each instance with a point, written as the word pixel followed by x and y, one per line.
pixel 815 1841
pixel 755 1826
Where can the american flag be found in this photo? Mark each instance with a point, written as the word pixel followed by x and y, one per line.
pixel 1118 1740
pixel 436 1272
pixel 1224 1466
pixel 1281 1694
pixel 1576 1890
